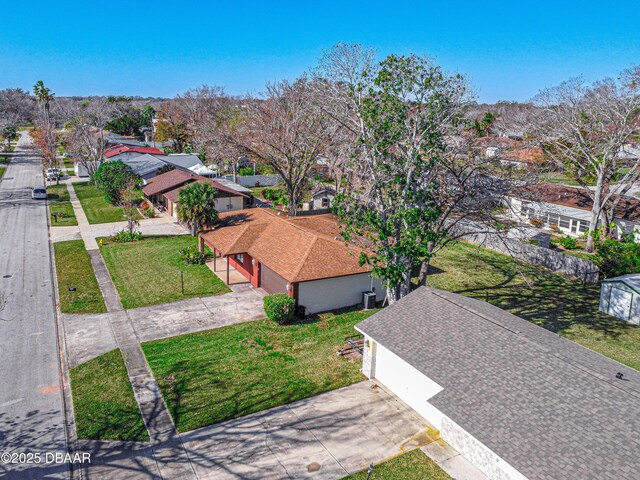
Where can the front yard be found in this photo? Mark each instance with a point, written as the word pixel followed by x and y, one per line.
pixel 414 465
pixel 215 375
pixel 536 294
pixel 103 401
pixel 148 272
pixel 74 270
pixel 96 207
pixel 59 204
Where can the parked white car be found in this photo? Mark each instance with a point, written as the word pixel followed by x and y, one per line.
pixel 39 192
pixel 53 173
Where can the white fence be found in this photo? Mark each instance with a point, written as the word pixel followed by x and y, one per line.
pixel 580 268
pixel 257 180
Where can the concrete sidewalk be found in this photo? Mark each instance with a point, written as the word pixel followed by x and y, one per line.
pixel 163 225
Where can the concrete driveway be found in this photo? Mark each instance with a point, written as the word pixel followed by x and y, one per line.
pixel 88 336
pixel 323 437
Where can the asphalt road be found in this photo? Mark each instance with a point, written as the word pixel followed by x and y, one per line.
pixel 31 405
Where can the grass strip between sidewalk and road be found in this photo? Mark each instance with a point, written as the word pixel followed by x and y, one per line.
pixel 103 401
pixel 74 270
pixel 60 204
pixel 148 271
pixel 229 372
pixel 414 465
pixel 96 207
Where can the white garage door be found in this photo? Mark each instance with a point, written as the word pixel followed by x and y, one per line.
pixel 620 303
pixel 413 387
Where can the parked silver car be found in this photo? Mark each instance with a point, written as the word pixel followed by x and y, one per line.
pixel 39 192
pixel 53 173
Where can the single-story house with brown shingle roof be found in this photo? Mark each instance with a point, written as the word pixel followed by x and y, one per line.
pixel 163 189
pixel 569 209
pixel 303 257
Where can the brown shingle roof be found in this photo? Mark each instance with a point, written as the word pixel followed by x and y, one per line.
pixel 628 208
pixel 298 249
pixel 168 181
pixel 172 195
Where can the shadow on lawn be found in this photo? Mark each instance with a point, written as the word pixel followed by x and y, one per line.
pixel 548 300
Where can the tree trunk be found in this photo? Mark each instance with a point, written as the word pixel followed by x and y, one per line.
pixel 422 276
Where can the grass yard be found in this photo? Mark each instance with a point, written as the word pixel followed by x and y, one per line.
pixel 73 268
pixel 228 372
pixel 2 169
pixel 147 272
pixel 59 203
pixel 103 401
pixel 96 207
pixel 553 302
pixel 414 465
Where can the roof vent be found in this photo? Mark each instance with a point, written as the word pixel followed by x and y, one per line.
pixel 619 375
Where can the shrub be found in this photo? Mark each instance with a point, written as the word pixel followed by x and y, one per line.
pixel 275 195
pixel 149 212
pixel 569 243
pixel 536 222
pixel 192 256
pixel 124 236
pixel 280 308
pixel 617 258
pixel 245 172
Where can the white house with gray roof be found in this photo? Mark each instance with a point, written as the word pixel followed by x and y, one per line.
pixel 518 401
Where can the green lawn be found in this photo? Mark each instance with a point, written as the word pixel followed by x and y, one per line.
pixel 97 209
pixel 103 401
pixel 73 268
pixel 2 169
pixel 59 203
pixel 215 375
pixel 147 272
pixel 553 302
pixel 414 465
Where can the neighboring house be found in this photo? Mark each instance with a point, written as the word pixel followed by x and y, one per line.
pixel 124 152
pixel 247 192
pixel 321 199
pixel 115 139
pixel 518 401
pixel 620 297
pixel 300 256
pixel 146 166
pixel 163 190
pixel 569 209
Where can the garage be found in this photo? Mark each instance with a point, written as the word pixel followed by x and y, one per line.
pixel 412 386
pixel 270 281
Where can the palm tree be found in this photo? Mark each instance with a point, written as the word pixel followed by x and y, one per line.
pixel 44 98
pixel 196 206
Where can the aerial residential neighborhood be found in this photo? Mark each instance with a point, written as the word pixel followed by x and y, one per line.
pixel 328 241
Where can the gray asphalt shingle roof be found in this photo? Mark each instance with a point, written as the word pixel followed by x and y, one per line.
pixel 549 407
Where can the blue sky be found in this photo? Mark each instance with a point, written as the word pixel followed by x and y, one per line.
pixel 509 50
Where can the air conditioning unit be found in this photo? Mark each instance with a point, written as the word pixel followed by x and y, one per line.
pixel 369 300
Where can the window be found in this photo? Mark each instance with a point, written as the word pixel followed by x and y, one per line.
pixel 583 227
pixel 564 222
pixel 325 202
pixel 240 258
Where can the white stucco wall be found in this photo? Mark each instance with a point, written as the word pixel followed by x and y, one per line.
pixel 337 292
pixel 415 389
